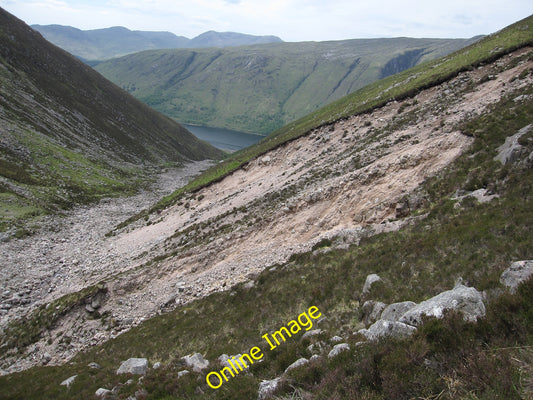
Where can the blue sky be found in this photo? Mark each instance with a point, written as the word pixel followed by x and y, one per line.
pixel 292 20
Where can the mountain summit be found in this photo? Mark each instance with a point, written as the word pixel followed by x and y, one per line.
pixel 103 44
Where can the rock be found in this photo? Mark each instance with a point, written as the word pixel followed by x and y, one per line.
pixel 182 373
pixel 384 328
pixel 461 298
pixel 136 366
pixel 266 388
pixel 511 151
pixel 402 210
pixel 67 382
pixel 337 349
pixel 102 393
pixel 196 361
pixel 335 339
pixel 311 333
pixel 47 358
pixel 394 311
pixel 517 273
pixel 94 365
pixel 157 365
pixel 370 280
pixel 266 160
pixel 296 364
pixel 371 311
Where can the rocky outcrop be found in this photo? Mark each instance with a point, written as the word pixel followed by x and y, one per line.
pixel 511 151
pixel 136 366
pixel 517 273
pixel 467 300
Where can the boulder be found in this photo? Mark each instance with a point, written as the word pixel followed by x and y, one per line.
pixel 393 312
pixel 296 364
pixel 196 361
pixel 370 280
pixel 382 328
pixel 467 300
pixel 371 311
pixel 517 273
pixel 267 388
pixel 136 366
pixel 337 349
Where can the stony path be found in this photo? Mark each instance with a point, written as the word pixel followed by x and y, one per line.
pixel 64 255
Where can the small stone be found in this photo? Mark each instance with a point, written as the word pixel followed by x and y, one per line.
pixel 267 388
pixel 370 280
pixel 517 273
pixel 182 373
pixel 196 361
pixel 157 365
pixel 67 382
pixel 47 358
pixel 337 349
pixel 311 333
pixel 296 364
pixel 101 393
pixel 336 339
pixel 94 365
pixel 136 366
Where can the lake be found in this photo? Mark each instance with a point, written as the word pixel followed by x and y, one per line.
pixel 224 139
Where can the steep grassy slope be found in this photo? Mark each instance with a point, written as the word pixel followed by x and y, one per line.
pixel 103 44
pixel 68 134
pixel 446 359
pixel 258 89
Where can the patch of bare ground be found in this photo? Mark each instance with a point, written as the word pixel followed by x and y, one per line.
pixel 351 179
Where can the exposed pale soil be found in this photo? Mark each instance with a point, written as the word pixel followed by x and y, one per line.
pixel 342 181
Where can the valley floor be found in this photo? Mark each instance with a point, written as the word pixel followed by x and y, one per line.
pixel 68 252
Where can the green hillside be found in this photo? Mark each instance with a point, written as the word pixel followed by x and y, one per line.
pixel 258 89
pixel 68 135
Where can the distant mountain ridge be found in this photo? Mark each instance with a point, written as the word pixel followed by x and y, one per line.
pixel 103 44
pixel 258 89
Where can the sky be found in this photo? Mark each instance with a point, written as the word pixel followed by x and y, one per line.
pixel 291 20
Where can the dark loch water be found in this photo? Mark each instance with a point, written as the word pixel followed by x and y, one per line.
pixel 224 139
